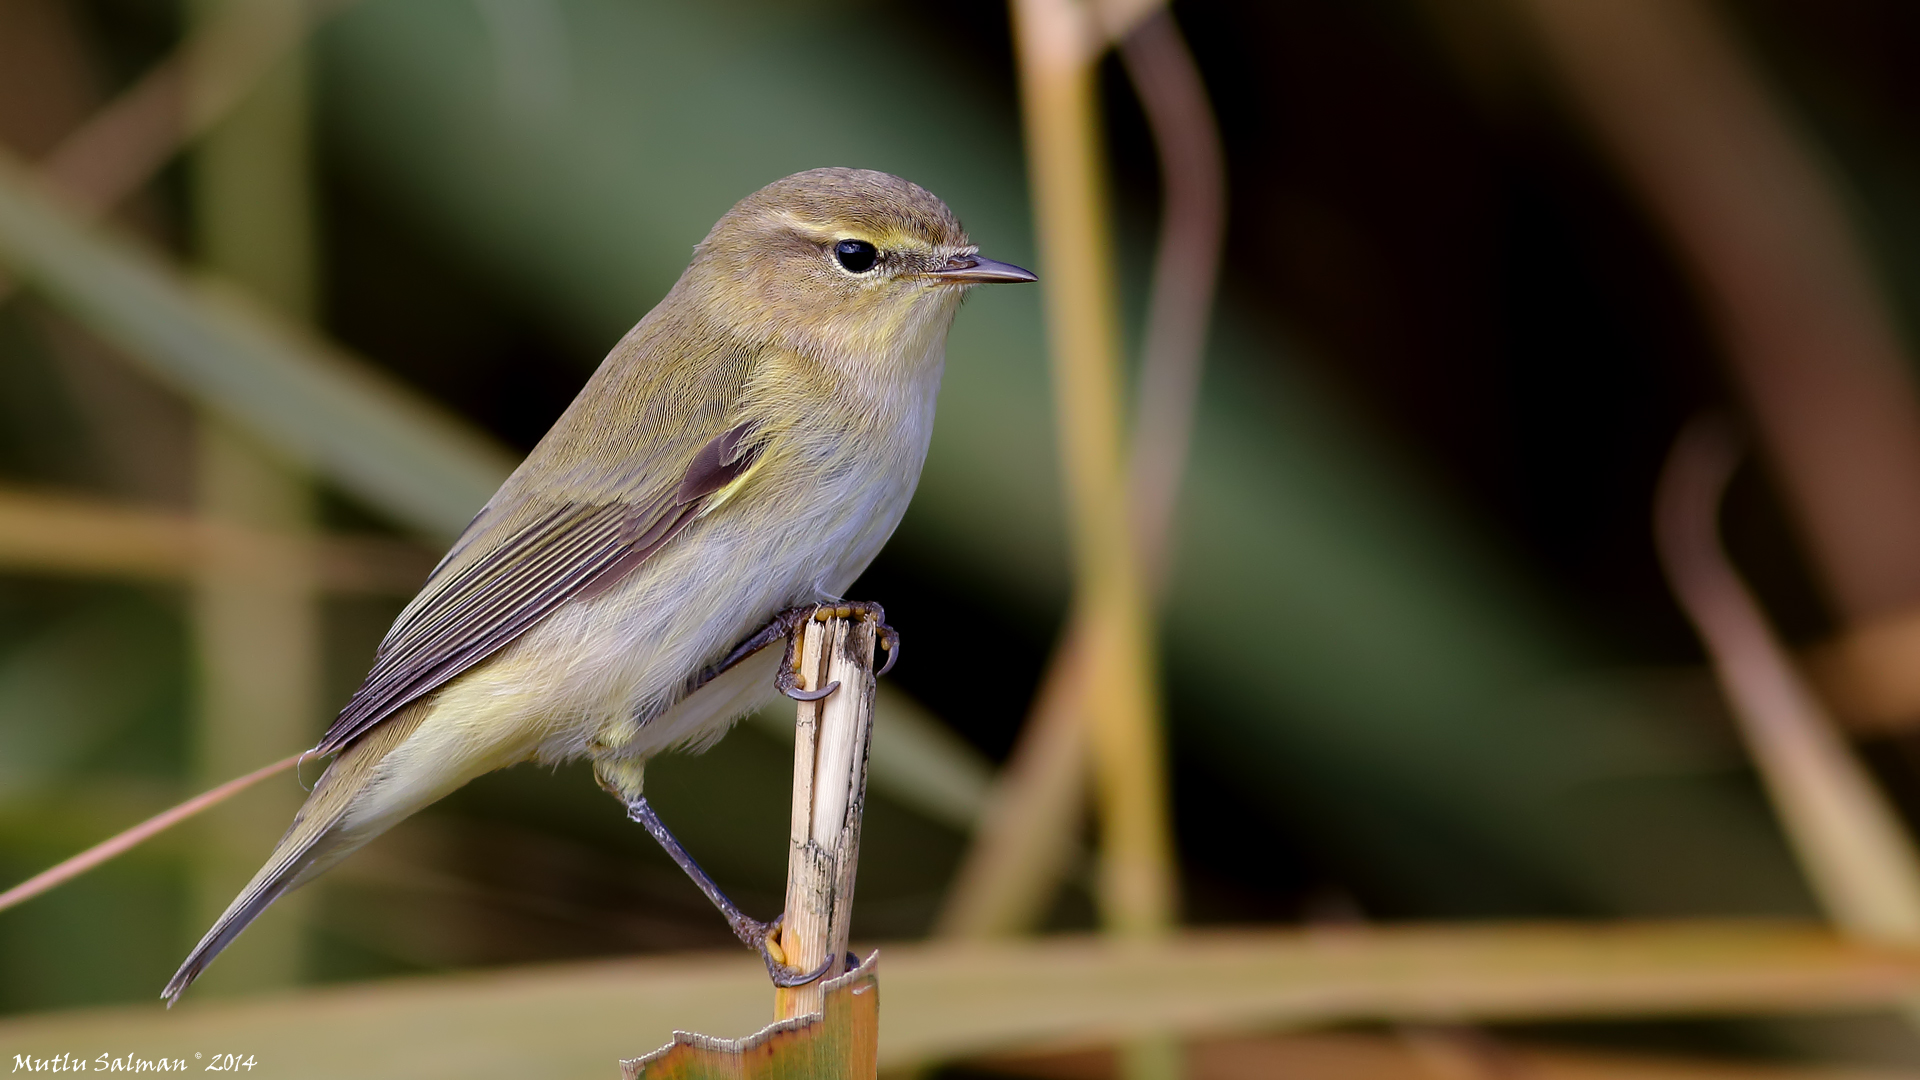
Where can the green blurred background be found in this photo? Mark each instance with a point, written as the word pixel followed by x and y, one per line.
pixel 1420 659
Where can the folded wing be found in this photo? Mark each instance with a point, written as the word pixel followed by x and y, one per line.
pixel 532 558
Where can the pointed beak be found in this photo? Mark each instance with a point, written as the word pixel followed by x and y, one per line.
pixel 979 270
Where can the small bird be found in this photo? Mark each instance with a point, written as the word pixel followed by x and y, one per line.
pixel 735 462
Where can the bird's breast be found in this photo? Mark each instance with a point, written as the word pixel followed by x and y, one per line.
pixel 818 507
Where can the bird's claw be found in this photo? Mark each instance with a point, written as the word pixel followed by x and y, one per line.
pixel 787 680
pixel 787 978
pixel 890 641
pixel 777 970
pixel 798 694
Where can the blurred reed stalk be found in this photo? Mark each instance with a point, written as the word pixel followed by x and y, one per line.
pixel 1057 44
pixel 831 742
pixel 125 143
pixel 334 413
pixel 1193 229
pixel 256 622
pixel 1758 217
pixel 1114 694
pixel 125 841
pixel 1027 837
pixel 1849 840
pixel 1027 840
pixel 258 627
pixel 1361 1056
pixel 955 1000
pixel 91 538
pixel 252 553
pixel 230 48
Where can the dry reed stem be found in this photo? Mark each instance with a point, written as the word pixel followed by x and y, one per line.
pixel 1849 841
pixel 1193 227
pixel 122 842
pixel 951 1000
pixel 125 143
pixel 829 799
pixel 65 534
pixel 1027 841
pixel 1361 1056
pixel 1054 42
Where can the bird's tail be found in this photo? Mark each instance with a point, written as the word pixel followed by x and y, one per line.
pixel 314 843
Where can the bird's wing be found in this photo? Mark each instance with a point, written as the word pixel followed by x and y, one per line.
pixel 516 564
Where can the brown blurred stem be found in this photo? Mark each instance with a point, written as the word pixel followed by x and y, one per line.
pixel 1849 841
pixel 1193 225
pixel 1025 843
pixel 123 145
pixel 1757 217
pixel 128 840
pixel 120 148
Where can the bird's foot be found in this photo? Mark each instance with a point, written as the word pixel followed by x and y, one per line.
pixel 770 951
pixel 787 625
pixel 787 679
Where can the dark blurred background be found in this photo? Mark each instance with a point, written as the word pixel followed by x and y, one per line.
pixel 1421 660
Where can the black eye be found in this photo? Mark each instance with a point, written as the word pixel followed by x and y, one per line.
pixel 857 256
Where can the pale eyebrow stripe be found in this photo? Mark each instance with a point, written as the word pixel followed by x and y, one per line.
pixel 824 232
pixel 818 229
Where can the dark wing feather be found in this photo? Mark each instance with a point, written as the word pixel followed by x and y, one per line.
pixel 572 551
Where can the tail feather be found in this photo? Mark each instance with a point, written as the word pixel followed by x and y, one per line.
pixel 314 843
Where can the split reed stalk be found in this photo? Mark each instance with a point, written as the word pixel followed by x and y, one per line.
pixel 829 798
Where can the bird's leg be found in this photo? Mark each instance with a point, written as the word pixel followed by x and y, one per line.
pixel 750 931
pixel 781 626
pixel 623 779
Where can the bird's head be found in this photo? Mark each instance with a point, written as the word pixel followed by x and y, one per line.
pixel 843 262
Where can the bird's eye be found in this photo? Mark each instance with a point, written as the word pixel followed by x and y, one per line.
pixel 855 256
